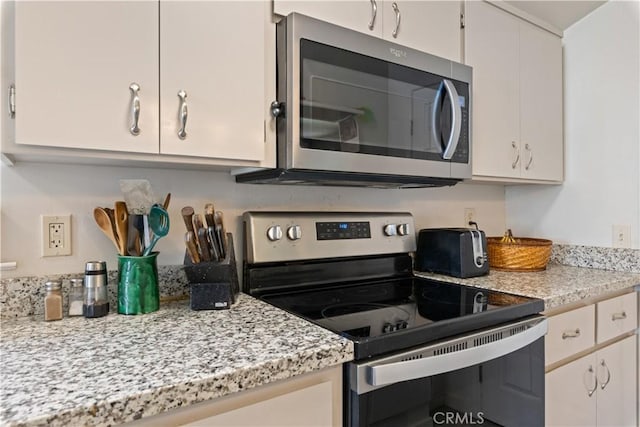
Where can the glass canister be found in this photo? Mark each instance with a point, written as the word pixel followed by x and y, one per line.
pixel 53 300
pixel 76 296
pixel 96 300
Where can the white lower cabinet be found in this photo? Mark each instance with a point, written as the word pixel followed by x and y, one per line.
pixel 592 365
pixel 596 390
pixel 313 399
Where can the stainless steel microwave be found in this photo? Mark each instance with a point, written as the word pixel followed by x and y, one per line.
pixel 356 110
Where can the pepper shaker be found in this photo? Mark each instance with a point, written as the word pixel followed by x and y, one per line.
pixel 96 302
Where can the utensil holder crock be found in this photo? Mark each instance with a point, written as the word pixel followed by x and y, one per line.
pixel 213 285
pixel 138 291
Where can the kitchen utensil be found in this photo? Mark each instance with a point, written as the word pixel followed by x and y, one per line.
pixel 139 198
pixel 104 222
pixel 220 233
pixel 122 225
pixel 209 211
pixel 138 195
pixel 205 251
pixel 159 224
pixel 133 235
pixel 192 250
pixel 201 238
pixel 212 238
pixel 167 199
pixel 187 215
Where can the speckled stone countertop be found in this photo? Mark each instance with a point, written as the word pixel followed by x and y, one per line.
pixel 119 368
pixel 557 285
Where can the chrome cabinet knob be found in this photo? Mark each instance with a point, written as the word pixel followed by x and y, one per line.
pixel 403 229
pixel 390 230
pixel 274 233
pixel 294 232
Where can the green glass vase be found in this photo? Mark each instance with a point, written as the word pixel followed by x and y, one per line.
pixel 138 284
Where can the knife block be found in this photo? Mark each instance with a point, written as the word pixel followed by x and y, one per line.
pixel 213 285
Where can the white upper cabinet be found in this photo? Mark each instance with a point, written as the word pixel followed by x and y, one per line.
pixel 517 96
pixel 74 64
pixel 429 26
pixel 88 72
pixel 212 54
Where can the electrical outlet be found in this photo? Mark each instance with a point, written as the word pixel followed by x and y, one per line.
pixel 621 236
pixel 56 235
pixel 469 216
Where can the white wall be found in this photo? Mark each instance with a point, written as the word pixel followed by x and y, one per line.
pixel 28 190
pixel 602 137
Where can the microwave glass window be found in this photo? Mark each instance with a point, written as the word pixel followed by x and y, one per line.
pixel 355 103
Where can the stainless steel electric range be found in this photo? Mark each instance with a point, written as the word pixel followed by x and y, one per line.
pixel 426 352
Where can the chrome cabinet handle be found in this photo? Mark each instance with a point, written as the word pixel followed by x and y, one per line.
pixel 526 147
pixel 374 12
pixel 593 389
pixel 515 162
pixel 396 10
pixel 571 334
pixel 182 132
pixel 135 108
pixel 604 383
pixel 619 316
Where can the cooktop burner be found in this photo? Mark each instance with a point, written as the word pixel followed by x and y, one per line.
pixel 396 314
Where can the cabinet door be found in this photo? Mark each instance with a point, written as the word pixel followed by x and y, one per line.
pixel 429 26
pixel 617 379
pixel 541 145
pixel 360 15
pixel 492 49
pixel 571 394
pixel 214 53
pixel 74 64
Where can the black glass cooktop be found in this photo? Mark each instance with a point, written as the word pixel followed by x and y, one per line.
pixel 391 315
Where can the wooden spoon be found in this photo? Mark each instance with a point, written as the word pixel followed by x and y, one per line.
pixel 104 222
pixel 122 226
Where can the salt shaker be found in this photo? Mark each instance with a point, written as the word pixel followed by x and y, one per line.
pixel 53 300
pixel 76 296
pixel 96 302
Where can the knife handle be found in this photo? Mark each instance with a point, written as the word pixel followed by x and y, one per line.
pixel 187 215
pixel 190 241
pixel 213 245
pixel 205 252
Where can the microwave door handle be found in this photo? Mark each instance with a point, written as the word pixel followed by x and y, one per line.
pixel 456 120
pixel 392 373
pixel 437 101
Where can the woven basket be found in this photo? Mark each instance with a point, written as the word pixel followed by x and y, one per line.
pixel 526 254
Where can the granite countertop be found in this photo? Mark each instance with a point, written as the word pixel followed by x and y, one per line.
pixel 557 285
pixel 120 368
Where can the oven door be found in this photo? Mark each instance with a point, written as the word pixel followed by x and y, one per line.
pixel 355 103
pixel 494 377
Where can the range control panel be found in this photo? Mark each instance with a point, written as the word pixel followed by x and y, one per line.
pixel 343 230
pixel 289 236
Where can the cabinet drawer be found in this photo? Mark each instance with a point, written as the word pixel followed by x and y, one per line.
pixel 616 316
pixel 570 333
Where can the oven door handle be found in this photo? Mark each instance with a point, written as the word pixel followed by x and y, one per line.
pixel 391 373
pixel 456 120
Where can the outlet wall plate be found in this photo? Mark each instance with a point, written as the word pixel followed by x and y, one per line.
pixel 56 235
pixel 621 236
